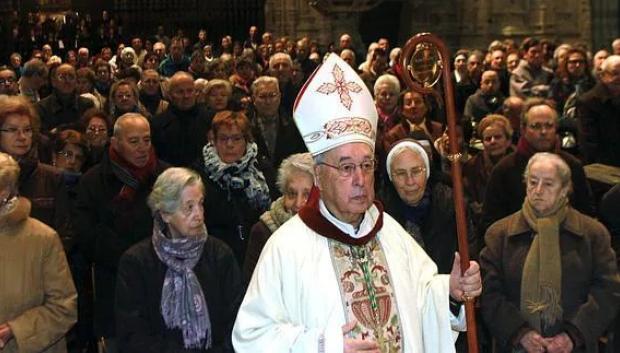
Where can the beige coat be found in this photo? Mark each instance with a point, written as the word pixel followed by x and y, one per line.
pixel 37 295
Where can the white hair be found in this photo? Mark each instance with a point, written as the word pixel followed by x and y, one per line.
pixel 166 194
pixel 407 145
pixel 391 81
pixel 264 80
pixel 562 168
pixel 294 164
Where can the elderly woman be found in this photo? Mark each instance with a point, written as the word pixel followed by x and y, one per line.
pixel 39 302
pixel 97 128
pixel 421 203
pixel 177 291
pixel 40 183
pixel 496 134
pixel 217 94
pixel 295 180
pixel 86 87
pixel 549 274
pixel 124 98
pixel 237 179
pixel 387 91
pixel 70 151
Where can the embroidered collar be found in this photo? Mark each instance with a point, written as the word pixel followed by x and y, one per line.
pixel 316 216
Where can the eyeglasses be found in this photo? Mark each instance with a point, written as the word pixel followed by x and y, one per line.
pixel 540 126
pixel 4 81
pixel 347 169
pixel 97 130
pixel 233 138
pixel 71 155
pixel 411 173
pixel 27 131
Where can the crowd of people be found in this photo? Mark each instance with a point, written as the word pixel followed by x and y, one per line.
pixel 142 179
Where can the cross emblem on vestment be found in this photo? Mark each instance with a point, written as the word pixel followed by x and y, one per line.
pixel 341 86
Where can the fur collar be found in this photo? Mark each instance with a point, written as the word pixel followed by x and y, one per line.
pixel 19 214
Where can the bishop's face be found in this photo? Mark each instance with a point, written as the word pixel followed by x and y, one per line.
pixel 347 195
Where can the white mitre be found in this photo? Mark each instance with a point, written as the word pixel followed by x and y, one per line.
pixel 334 107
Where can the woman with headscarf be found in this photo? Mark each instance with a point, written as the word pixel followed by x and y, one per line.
pixel 416 197
pixel 239 182
pixel 177 291
pixel 549 274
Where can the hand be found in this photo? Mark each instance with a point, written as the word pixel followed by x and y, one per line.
pixel 353 345
pixel 533 342
pixel 5 335
pixel 467 286
pixel 559 344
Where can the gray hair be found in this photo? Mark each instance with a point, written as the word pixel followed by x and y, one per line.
pixel 264 80
pixel 391 81
pixel 562 168
pixel 166 194
pixel 280 56
pixel 9 172
pixel 217 83
pixel 294 164
pixel 118 125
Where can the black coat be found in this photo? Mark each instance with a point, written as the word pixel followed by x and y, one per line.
pixel 53 113
pixel 439 227
pixel 44 186
pixel 140 325
pixel 288 139
pixel 599 126
pixel 178 136
pixel 106 228
pixel 506 190
pixel 228 214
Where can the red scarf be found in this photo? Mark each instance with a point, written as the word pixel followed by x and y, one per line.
pixel 312 217
pixel 141 174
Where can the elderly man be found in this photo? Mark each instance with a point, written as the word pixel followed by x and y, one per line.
pixel 150 92
pixel 341 275
pixel 498 64
pixel 83 58
pixel 281 67
pixel 506 190
pixel 487 100
pixel 272 124
pixel 598 111
pixel 8 82
pixel 159 49
pixel 65 105
pixel 348 56
pixel 597 61
pixel 176 61
pixel 530 78
pixel 111 210
pixel 180 132
pixel 34 77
